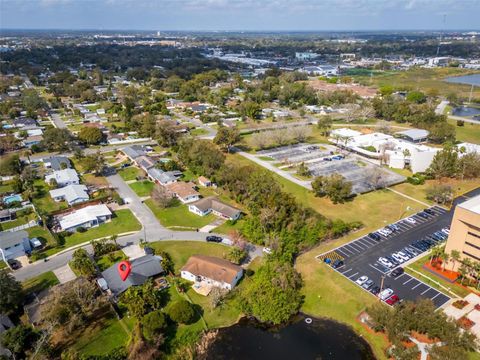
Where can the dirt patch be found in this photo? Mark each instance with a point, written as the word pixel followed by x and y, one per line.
pixel 360 90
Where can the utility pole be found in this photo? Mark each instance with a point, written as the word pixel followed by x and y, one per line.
pixel 381 284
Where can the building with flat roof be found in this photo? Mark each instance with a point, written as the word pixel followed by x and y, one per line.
pixel 414 135
pixel 63 177
pixel 87 217
pixel 464 234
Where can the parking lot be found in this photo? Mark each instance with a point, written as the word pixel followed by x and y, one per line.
pixel 324 160
pixel 361 256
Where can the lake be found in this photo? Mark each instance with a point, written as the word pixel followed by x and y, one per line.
pixel 473 79
pixel 322 339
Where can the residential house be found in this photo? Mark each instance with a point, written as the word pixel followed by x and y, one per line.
pixel 72 194
pixel 209 205
pixel 25 122
pixel 211 271
pixel 202 180
pixel 134 151
pixel 14 244
pixel 57 163
pixel 87 217
pixel 32 140
pixel 6 215
pixel 185 192
pixel 145 162
pixel 142 269
pixel 63 177
pixel 162 177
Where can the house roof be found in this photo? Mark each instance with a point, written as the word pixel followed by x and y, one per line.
pixel 145 162
pixel 134 151
pixel 142 268
pixel 212 267
pixel 62 176
pixel 162 176
pixel 216 205
pixel 9 238
pixel 203 179
pixel 4 213
pixel 83 215
pixel 24 121
pixel 415 134
pixel 183 189
pixel 55 162
pixel 71 193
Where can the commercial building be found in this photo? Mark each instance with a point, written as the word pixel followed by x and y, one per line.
pixel 464 234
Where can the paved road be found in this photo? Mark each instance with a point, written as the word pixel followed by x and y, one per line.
pixel 57 121
pixel 211 132
pixel 282 173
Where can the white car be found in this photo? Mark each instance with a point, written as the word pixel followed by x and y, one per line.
pixel 267 250
pixel 383 232
pixel 385 294
pixel 411 220
pixel 362 280
pixel 385 262
pixel 398 258
pixel 446 231
pixel 404 255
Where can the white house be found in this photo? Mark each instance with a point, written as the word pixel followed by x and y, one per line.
pixel 87 217
pixel 72 194
pixel 14 244
pixel 212 271
pixel 183 191
pixel 209 205
pixel 64 177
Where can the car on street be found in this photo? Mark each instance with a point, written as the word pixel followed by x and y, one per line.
pixel 411 220
pixel 213 238
pixel 362 280
pixel 337 263
pixel 392 300
pixel 368 284
pixel 385 294
pixel 397 272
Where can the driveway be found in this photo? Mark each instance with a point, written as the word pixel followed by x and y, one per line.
pixel 64 274
pixel 57 121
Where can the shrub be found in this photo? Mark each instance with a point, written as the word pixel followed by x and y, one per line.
pixel 153 323
pixel 460 123
pixel 416 179
pixel 182 312
pixel 81 229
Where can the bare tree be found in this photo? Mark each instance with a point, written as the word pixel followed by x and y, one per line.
pixel 301 133
pixel 384 127
pixel 375 177
pixel 162 197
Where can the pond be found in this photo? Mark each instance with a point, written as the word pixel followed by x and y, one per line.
pixel 466 111
pixel 473 79
pixel 322 339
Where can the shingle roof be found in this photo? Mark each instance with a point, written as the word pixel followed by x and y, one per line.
pixel 145 162
pixel 142 268
pixel 8 238
pixel 216 205
pixel 183 189
pixel 83 215
pixel 134 151
pixel 55 162
pixel 71 193
pixel 212 267
pixel 161 176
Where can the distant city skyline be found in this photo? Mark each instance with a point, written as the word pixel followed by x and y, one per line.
pixel 241 15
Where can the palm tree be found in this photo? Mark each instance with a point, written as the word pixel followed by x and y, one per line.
pixel 435 253
pixel 469 266
pixel 462 270
pixel 454 256
pixel 476 266
pixel 445 258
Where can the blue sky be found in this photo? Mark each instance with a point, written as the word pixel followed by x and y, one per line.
pixel 240 14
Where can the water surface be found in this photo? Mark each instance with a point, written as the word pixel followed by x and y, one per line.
pixel 473 79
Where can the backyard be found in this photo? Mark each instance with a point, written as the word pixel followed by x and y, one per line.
pixel 42 200
pixel 19 220
pixel 129 173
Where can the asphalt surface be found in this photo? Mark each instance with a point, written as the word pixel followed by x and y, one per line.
pixel 361 255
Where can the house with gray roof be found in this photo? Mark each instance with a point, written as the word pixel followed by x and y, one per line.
pixel 14 244
pixel 134 151
pixel 72 194
pixel 209 205
pixel 142 269
pixel 57 163
pixel 63 177
pixel 162 177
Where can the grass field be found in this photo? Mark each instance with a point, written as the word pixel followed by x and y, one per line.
pixel 129 173
pixel 178 217
pixel 39 283
pixel 328 294
pixel 467 133
pixel 6 188
pixel 41 234
pixel 42 200
pixel 105 261
pixel 427 80
pixel 180 251
pixel 17 222
pixel 142 188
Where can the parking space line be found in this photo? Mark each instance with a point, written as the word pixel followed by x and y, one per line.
pixel 353 275
pixel 346 271
pixel 367 245
pixel 435 296
pixel 426 291
pixel 345 248
pixel 398 277
pixel 406 282
pixel 368 241
pixel 374 267
pixel 344 253
pixel 354 248
pixel 413 288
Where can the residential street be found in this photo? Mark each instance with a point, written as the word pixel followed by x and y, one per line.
pixel 57 121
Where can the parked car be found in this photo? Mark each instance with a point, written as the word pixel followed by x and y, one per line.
pixel 361 280
pixel 14 264
pixel 337 263
pixel 392 300
pixel 267 250
pixel 397 272
pixel 385 262
pixel 385 294
pixel 368 284
pixel 398 258
pixel 423 215
pixel 375 290
pixel 429 211
pixel 405 256
pixel 446 231
pixel 411 220
pixel 327 159
pixel 213 238
pixel 148 250
pixel 374 236
pixel 393 227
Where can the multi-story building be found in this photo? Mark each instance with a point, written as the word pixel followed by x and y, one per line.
pixel 465 230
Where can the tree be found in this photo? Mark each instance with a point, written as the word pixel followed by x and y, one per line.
pixel 8 143
pixel 167 133
pixel 140 300
pixel 416 97
pixel 441 132
pixel 90 135
pixel 334 187
pixel 454 257
pixel 201 156
pixel 56 139
pixel 82 263
pixel 273 294
pixel 324 124
pixel 10 165
pixel 153 324
pixel 444 163
pixel 303 170
pixel 32 101
pixel 236 255
pixel 167 262
pixel 11 295
pixel 94 163
pixel 469 166
pixel 19 340
pixel 227 137
pixel 441 194
pixel 250 109
pixel 182 312
pixel 217 295
pixel 162 197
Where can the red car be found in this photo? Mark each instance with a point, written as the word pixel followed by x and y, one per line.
pixel 392 300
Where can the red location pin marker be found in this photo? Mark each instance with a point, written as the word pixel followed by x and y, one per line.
pixel 124 269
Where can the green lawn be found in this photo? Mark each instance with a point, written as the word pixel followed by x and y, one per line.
pixel 42 234
pixel 39 283
pixel 42 200
pixel 179 217
pixel 105 261
pixel 227 227
pixel 198 132
pixel 467 133
pixel 142 188
pixel 105 335
pixel 328 294
pixel 129 173
pixel 417 265
pixel 6 187
pixel 180 251
pixel 18 221
pixel 3 264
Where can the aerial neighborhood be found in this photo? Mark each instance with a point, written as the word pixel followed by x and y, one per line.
pixel 162 193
